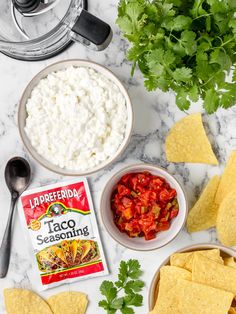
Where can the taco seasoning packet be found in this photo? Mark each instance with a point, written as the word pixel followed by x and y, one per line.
pixel 63 230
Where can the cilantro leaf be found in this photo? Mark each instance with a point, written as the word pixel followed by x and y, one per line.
pixel 168 58
pixel 211 100
pixel 181 22
pixel 227 94
pixel 218 7
pixel 117 303
pixel 182 74
pixel 104 304
pixel 193 93
pixel 220 57
pixel 108 289
pixel 232 24
pixel 134 271
pixel 123 272
pixel 127 310
pixel 181 99
pixel 133 299
pixel 134 10
pixel 134 286
pixel 125 24
pixel 187 40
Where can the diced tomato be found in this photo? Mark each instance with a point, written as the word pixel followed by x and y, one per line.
pixel 133 227
pixel 121 224
pixel 166 195
pixel 174 213
pixel 147 197
pixel 143 205
pixel 123 190
pixel 143 179
pixel 133 183
pixel 163 226
pixel 125 178
pixel 172 193
pixel 119 209
pixel 151 235
pixel 126 202
pixel 127 213
pixel 137 209
pixel 156 183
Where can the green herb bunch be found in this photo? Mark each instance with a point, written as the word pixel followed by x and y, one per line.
pixel 188 46
pixel 123 294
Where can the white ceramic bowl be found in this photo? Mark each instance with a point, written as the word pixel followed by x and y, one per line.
pixel 22 115
pixel 153 291
pixel 141 244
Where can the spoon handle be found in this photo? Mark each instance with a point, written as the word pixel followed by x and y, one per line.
pixel 5 248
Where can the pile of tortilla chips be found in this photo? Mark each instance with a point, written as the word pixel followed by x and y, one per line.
pixel 187 142
pixel 217 206
pixel 198 282
pixel 21 301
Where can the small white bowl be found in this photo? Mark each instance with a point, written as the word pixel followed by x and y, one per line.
pixel 22 115
pixel 153 291
pixel 139 243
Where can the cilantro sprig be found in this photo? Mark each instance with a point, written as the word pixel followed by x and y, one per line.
pixel 123 294
pixel 188 46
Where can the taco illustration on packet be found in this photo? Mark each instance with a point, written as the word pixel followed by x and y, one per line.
pixel 51 258
pixel 67 254
pixel 66 249
pixel 90 251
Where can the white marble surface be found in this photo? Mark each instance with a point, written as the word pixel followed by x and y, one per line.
pixel 154 112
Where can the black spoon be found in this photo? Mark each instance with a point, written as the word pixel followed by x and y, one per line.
pixel 17 177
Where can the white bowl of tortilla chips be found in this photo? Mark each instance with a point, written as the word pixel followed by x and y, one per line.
pixel 196 279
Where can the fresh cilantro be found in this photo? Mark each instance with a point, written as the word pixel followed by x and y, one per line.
pixel 129 283
pixel 184 45
pixel 108 290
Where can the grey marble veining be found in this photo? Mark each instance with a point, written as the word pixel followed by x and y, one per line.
pixel 154 114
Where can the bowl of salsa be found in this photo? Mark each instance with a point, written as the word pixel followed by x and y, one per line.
pixel 143 207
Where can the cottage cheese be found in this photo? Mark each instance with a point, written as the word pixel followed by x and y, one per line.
pixel 76 118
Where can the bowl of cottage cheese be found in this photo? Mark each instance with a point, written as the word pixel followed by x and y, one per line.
pixel 75 117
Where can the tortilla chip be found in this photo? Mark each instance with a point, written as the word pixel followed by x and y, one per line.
pixel 187 142
pixel 20 301
pixel 204 213
pixel 213 274
pixel 196 298
pixel 226 220
pixel 68 303
pixel 185 260
pixel 230 261
pixel 228 180
pixel 167 302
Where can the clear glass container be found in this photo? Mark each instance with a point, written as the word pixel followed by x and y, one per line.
pixel 48 27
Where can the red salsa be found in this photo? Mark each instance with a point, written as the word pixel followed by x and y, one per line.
pixel 143 204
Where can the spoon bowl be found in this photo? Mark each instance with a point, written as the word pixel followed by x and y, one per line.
pixel 17 175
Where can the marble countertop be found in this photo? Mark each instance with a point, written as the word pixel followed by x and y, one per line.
pixel 154 114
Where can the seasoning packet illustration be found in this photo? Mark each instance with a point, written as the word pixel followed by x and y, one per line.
pixel 62 227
